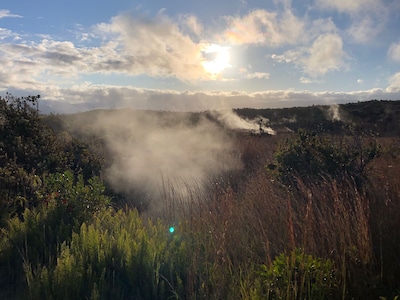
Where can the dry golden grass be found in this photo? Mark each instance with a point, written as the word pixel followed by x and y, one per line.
pixel 251 218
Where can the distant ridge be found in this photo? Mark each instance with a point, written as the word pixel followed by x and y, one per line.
pixel 374 117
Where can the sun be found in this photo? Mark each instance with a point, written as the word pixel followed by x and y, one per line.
pixel 216 59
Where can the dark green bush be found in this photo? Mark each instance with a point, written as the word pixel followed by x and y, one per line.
pixel 116 257
pixel 298 276
pixel 30 151
pixel 314 158
pixel 35 237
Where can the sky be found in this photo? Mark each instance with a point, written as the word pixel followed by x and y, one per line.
pixel 199 55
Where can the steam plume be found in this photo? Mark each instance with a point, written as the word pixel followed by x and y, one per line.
pixel 149 149
pixel 233 121
pixel 334 112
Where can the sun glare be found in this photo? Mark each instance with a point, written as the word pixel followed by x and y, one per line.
pixel 216 59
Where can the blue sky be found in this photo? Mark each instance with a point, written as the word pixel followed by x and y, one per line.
pixel 198 55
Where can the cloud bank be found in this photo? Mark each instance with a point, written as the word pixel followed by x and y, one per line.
pixel 106 64
pixel 89 97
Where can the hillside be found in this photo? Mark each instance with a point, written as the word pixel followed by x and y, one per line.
pixel 128 204
pixel 379 117
pixel 372 117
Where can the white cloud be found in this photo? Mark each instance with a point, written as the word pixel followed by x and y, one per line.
pixel 5 13
pixel 158 48
pixel 193 24
pixel 81 34
pixel 278 28
pixel 324 55
pixel 89 96
pixel 5 33
pixel 321 26
pixel 354 6
pixel 394 52
pixel 154 47
pixel 264 27
pixel 368 17
pixel 284 58
pixel 258 75
pixel 365 29
pixel 306 80
pixel 33 61
pixel 394 83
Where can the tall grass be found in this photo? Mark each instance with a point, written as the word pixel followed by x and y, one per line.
pixel 243 237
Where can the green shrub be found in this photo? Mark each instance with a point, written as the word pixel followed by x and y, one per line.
pixel 30 151
pixel 116 257
pixel 75 201
pixel 35 237
pixel 313 158
pixel 298 276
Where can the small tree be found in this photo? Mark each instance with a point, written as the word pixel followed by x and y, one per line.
pixel 298 276
pixel 35 237
pixel 30 151
pixel 313 158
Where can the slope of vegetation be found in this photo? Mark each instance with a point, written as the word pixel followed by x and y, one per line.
pixel 310 216
pixel 370 117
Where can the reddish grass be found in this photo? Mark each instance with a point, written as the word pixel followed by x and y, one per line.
pixel 253 218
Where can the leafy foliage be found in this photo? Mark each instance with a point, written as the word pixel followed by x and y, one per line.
pixel 115 257
pixel 29 151
pixel 35 237
pixel 75 200
pixel 23 138
pixel 298 276
pixel 313 158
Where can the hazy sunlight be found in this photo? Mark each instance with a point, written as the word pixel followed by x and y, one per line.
pixel 216 59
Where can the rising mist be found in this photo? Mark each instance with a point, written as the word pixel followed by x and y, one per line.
pixel 153 153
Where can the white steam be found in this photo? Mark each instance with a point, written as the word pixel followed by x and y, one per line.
pixel 333 112
pixel 150 150
pixel 233 121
